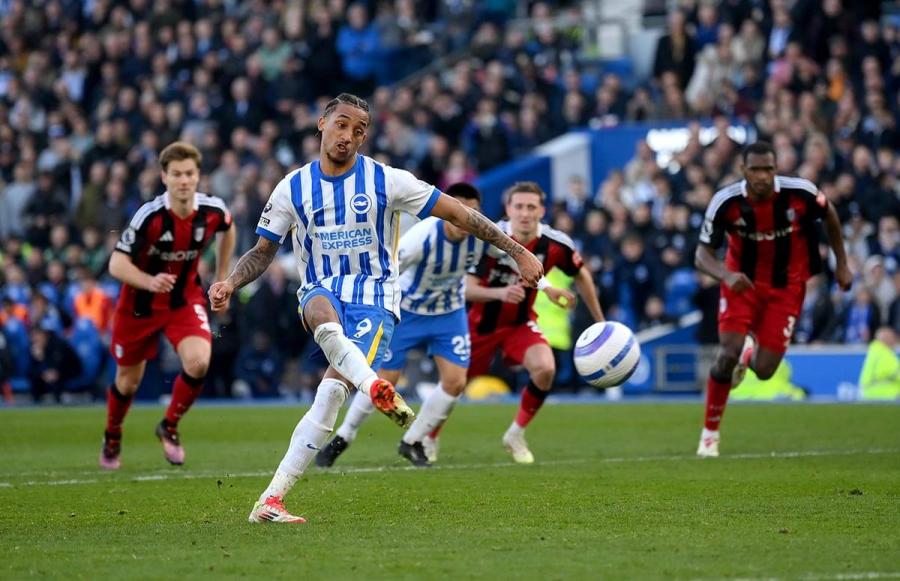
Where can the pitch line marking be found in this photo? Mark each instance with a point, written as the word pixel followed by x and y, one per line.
pixel 175 475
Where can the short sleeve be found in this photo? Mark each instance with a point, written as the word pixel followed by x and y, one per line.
pixel 225 221
pixel 572 261
pixel 278 216
pixel 410 194
pixel 134 236
pixel 817 205
pixel 712 232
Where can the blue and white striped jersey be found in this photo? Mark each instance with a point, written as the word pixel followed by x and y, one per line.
pixel 433 269
pixel 346 228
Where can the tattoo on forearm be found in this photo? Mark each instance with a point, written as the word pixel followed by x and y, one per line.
pixel 253 263
pixel 483 228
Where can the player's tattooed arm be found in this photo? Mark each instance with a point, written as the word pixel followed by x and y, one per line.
pixel 474 222
pixel 253 263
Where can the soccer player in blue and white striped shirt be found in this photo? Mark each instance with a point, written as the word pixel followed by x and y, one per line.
pixel 434 258
pixel 342 213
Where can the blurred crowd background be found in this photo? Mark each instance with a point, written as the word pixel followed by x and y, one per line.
pixel 91 90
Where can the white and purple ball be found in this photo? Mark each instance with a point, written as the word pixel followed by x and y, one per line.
pixel 606 354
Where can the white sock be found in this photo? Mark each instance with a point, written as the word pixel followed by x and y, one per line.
pixel 310 434
pixel 515 428
pixel 344 356
pixel 360 409
pixel 434 411
pixel 709 434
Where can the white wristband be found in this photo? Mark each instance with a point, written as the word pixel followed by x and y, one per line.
pixel 543 284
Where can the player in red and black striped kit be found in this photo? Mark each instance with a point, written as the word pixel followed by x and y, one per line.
pixel 502 318
pixel 772 224
pixel 156 260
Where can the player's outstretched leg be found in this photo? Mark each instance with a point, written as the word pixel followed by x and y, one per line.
pixel 310 434
pixel 117 405
pixel 184 394
pixel 735 355
pixel 716 399
pixel 744 361
pixel 434 412
pixel 514 439
pixel 349 361
pixel 360 409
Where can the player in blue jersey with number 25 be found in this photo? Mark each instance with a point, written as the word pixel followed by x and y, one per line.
pixel 342 212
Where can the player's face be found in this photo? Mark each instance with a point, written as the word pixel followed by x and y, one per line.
pixel 459 233
pixel 525 211
pixel 343 132
pixel 759 171
pixel 181 179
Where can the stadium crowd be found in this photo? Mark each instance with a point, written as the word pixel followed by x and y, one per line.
pixel 91 91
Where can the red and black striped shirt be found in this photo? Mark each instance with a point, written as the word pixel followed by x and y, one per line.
pixel 159 241
pixel 552 247
pixel 773 241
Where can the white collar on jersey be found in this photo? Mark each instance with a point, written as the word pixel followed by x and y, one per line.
pixel 168 202
pixel 744 186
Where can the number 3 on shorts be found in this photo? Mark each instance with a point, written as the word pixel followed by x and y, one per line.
pixel 789 329
pixel 204 319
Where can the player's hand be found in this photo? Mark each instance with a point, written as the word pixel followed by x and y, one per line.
pixel 530 268
pixel 844 276
pixel 561 297
pixel 738 282
pixel 162 283
pixel 220 295
pixel 513 293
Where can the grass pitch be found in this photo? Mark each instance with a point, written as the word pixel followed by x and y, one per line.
pixel 802 491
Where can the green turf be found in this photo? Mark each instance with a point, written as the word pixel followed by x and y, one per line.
pixel 616 493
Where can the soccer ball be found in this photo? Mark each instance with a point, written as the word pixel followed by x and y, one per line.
pixel 606 354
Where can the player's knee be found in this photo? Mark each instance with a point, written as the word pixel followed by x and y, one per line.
pixel 765 370
pixel 454 385
pixel 196 367
pixel 127 384
pixel 724 366
pixel 327 330
pixel 542 376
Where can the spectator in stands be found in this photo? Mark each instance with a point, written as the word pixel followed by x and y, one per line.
pixel 637 277
pixel 15 197
pixel 259 366
pixel 486 139
pixel 675 51
pixel 92 303
pixel 879 284
pixel 53 362
pixel 817 313
pixel 359 45
pixel 858 319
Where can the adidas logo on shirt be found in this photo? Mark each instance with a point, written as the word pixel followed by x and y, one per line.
pixel 166 237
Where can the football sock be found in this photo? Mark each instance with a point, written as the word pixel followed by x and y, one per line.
pixel 184 394
pixel 716 398
pixel 435 409
pixel 116 408
pixel 532 400
pixel 360 408
pixel 437 431
pixel 310 434
pixel 344 356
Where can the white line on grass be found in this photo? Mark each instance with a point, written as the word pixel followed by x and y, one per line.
pixel 180 475
pixel 818 577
